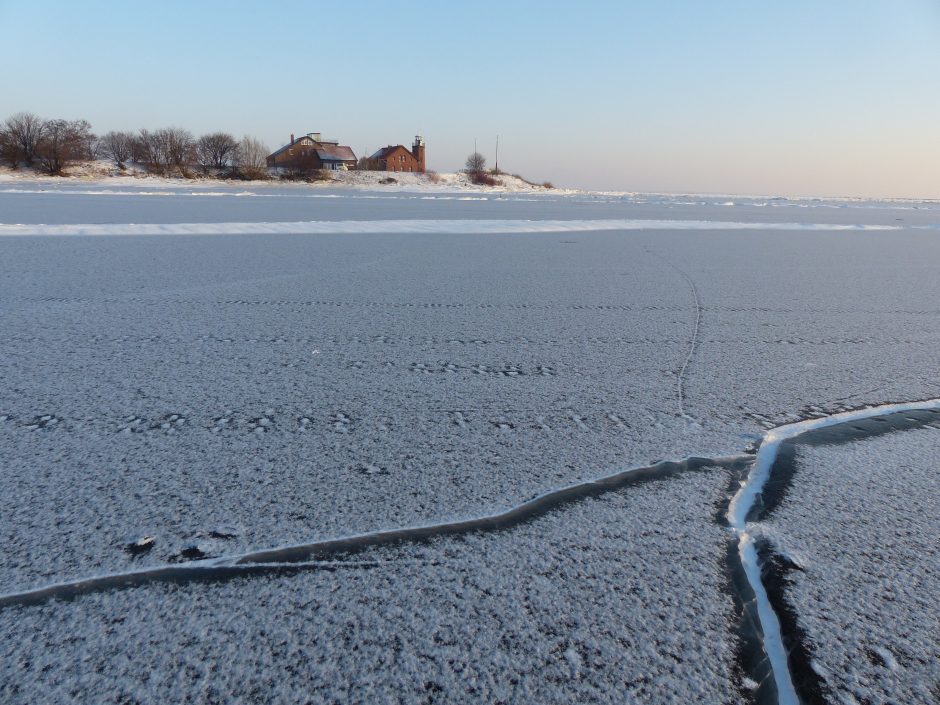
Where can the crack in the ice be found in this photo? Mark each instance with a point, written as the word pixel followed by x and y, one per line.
pixel 311 556
pixel 680 382
pixel 693 342
pixel 748 505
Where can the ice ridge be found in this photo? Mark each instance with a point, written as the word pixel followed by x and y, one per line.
pixel 321 555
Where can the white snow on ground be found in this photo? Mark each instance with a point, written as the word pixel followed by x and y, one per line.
pixel 616 599
pixel 862 520
pixel 106 173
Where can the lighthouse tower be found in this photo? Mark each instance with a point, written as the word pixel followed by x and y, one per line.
pixel 417 149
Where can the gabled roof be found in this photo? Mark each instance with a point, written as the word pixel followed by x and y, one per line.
pixel 386 151
pixel 335 153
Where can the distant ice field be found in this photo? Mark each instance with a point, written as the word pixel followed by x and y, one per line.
pixel 230 392
pixel 25 202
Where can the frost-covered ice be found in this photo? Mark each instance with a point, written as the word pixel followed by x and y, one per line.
pixel 861 521
pixel 236 392
pixel 621 598
pixel 296 388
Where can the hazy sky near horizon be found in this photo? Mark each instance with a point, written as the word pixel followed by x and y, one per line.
pixel 808 97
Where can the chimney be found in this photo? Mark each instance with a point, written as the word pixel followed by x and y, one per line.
pixel 292 138
pixel 418 150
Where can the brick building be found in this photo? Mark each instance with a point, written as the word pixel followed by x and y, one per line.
pixel 400 158
pixel 312 152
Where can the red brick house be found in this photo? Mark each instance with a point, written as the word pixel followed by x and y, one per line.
pixel 312 152
pixel 400 158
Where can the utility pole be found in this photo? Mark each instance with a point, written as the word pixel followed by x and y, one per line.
pixel 497 155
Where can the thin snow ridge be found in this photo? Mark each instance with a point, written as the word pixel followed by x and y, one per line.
pixel 321 555
pixel 519 514
pixel 745 499
pixel 742 502
pixel 442 226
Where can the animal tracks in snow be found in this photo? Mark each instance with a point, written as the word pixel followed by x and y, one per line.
pixel 168 423
pixel 42 422
pixel 506 370
pixel 459 305
pixel 262 422
pixel 330 344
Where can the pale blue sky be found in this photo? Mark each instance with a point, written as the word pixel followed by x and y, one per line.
pixel 820 97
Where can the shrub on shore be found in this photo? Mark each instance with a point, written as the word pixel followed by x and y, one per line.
pixel 481 178
pixel 307 176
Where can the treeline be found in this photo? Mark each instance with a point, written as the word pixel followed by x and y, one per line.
pixel 53 145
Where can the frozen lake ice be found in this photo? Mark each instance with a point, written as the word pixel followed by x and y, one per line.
pixel 862 561
pixel 237 392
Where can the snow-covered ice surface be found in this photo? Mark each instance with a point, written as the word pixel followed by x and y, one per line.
pixel 288 389
pixel 229 393
pixel 616 599
pixel 861 523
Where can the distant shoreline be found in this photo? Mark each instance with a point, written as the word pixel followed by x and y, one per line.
pixel 105 172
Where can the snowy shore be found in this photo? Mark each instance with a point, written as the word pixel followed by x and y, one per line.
pixel 106 173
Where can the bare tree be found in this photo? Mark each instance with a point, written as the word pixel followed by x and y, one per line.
pixel 165 149
pixel 94 147
pixel 137 148
pixel 476 163
pixel 9 149
pixel 63 142
pixel 26 130
pixel 117 146
pixel 476 170
pixel 215 151
pixel 180 147
pixel 149 151
pixel 251 158
pixel 140 148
